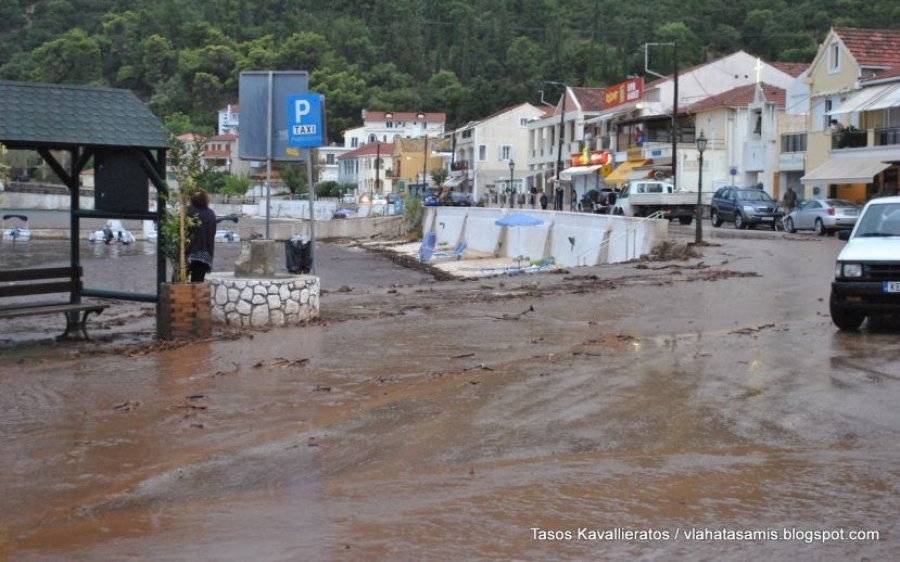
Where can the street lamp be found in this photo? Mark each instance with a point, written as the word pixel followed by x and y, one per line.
pixel 512 167
pixel 421 116
pixel 425 166
pixel 701 146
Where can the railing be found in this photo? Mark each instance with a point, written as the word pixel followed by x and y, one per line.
pixel 887 136
pixel 850 138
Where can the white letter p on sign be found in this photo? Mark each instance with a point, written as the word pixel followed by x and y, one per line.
pixel 301 108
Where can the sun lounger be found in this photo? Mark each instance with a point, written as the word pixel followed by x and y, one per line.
pixel 456 253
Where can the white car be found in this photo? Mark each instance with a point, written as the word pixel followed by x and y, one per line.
pixel 867 271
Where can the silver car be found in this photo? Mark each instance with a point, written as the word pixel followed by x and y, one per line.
pixel 825 216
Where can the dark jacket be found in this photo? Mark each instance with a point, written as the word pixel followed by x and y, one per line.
pixel 201 246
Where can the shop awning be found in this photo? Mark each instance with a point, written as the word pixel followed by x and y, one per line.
pixel 577 171
pixel 629 170
pixel 855 169
pixel 454 182
pixel 870 99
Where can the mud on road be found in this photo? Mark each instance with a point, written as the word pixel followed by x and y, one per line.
pixel 489 419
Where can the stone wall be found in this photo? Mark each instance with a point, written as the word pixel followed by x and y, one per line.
pixel 259 303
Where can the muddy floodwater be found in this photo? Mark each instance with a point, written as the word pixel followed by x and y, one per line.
pixel 695 406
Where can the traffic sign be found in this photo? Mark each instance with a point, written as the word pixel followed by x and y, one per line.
pixel 304 123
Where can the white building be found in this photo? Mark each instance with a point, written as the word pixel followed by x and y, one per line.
pixel 487 153
pixel 385 126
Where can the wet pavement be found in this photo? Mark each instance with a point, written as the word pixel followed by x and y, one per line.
pixel 694 406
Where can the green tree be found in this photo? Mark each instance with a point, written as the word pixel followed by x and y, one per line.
pixel 73 58
pixel 294 177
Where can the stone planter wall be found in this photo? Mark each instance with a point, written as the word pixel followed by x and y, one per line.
pixel 258 303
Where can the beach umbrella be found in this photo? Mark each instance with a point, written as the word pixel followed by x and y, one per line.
pixel 518 220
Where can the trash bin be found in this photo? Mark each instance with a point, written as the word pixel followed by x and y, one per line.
pixel 298 254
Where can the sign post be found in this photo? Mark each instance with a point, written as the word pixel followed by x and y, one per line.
pixel 268 133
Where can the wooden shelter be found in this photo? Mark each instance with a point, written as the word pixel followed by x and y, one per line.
pixel 108 128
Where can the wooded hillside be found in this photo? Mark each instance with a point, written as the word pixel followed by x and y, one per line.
pixel 468 58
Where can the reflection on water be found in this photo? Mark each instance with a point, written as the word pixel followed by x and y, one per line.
pixel 34 253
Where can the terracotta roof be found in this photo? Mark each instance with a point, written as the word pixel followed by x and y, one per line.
pixel 369 148
pixel 871 47
pixel 223 137
pixel 591 99
pixel 884 75
pixel 739 97
pixel 795 69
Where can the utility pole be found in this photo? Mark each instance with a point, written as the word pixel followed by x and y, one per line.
pixel 674 101
pixel 558 194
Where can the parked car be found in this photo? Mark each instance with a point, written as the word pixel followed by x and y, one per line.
pixel 825 216
pixel 744 206
pixel 457 199
pixel 867 271
pixel 372 199
pixel 431 201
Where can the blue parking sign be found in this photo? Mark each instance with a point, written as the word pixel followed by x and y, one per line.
pixel 304 123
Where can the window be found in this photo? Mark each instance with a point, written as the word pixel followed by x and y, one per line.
pixel 793 142
pixel 523 122
pixel 834 57
pixel 354 142
pixel 482 152
pixel 505 152
pixel 757 119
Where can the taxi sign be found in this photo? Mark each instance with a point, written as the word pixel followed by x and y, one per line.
pixel 304 123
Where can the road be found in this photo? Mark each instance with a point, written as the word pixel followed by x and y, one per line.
pixel 686 407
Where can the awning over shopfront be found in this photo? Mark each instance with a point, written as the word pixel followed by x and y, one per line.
pixel 855 169
pixel 629 170
pixel 454 182
pixel 871 99
pixel 578 171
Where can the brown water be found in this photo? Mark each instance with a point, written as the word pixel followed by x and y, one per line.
pixel 472 421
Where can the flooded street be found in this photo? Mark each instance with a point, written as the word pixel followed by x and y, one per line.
pixel 700 408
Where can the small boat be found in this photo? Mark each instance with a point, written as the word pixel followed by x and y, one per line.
pixel 16 233
pixel 150 232
pixel 227 234
pixel 113 233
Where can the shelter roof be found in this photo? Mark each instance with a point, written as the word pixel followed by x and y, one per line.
pixel 60 115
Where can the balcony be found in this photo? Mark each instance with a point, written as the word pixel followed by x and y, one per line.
pixel 850 137
pixel 887 136
pixel 459 165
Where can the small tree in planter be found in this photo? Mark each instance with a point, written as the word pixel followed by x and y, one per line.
pixel 185 308
pixel 176 225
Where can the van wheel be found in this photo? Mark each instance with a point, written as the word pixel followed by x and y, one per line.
pixel 714 218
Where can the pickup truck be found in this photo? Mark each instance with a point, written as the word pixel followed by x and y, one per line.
pixel 642 198
pixel 867 270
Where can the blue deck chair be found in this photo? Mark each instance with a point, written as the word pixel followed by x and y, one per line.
pixel 456 253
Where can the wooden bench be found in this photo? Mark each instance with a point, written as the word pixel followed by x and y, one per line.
pixel 45 281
